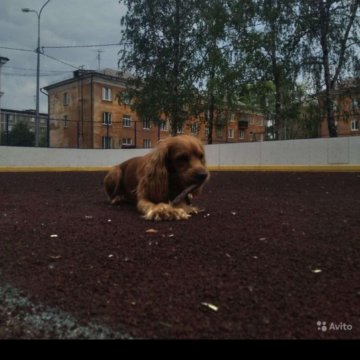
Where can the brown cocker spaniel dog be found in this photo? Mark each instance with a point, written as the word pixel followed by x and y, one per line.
pixel 154 180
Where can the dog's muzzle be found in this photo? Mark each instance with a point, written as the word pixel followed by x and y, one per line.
pixel 201 176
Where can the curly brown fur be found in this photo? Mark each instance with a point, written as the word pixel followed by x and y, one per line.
pixel 154 180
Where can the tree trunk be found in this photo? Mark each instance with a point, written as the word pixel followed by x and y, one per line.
pixel 174 125
pixel 277 116
pixel 210 118
pixel 176 121
pixel 277 76
pixel 324 27
pixel 330 114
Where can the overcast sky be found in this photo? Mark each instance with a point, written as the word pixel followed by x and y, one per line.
pixel 63 23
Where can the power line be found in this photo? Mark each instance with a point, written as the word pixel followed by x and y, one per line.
pixel 53 58
pixel 31 75
pixel 61 61
pixel 34 70
pixel 16 49
pixel 60 47
pixel 78 46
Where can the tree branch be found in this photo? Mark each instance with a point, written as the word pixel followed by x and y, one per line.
pixel 344 41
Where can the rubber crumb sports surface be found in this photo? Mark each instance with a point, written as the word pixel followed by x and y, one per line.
pixel 272 256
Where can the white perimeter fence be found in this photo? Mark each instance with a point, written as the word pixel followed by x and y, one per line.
pixel 334 152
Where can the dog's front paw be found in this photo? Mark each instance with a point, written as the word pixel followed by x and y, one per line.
pixel 166 212
pixel 192 210
pixel 189 209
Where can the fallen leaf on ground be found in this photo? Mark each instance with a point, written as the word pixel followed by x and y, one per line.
pixel 210 306
pixel 54 235
pixel 316 271
pixel 151 231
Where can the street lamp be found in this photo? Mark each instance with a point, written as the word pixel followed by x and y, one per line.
pixel 37 120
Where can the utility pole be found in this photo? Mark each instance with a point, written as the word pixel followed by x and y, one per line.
pixel 3 61
pixel 38 51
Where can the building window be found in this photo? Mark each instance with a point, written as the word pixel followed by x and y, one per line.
pixel 231 133
pixel 146 124
pixel 241 134
pixel 66 99
pixel 180 129
pixel 219 131
pixel 126 121
pixel 146 143
pixel 252 121
pixel 66 121
pixel 260 122
pixel 355 104
pixel 194 129
pixel 107 118
pixel 126 141
pixel 106 142
pixel 354 125
pixel 163 125
pixel 106 94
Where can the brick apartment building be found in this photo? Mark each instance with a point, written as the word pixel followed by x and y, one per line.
pixel 346 98
pixel 85 111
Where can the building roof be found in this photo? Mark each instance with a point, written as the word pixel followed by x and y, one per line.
pixel 22 112
pixel 106 74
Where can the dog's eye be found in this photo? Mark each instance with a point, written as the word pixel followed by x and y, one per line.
pixel 183 158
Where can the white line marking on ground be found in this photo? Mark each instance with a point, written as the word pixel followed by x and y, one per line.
pixel 19 317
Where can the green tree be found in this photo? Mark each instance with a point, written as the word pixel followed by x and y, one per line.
pixel 20 135
pixel 330 31
pixel 301 114
pixel 43 140
pixel 214 71
pixel 159 52
pixel 264 40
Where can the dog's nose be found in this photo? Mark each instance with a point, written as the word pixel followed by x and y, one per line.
pixel 201 176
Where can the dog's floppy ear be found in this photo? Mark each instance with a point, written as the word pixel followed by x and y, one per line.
pixel 155 180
